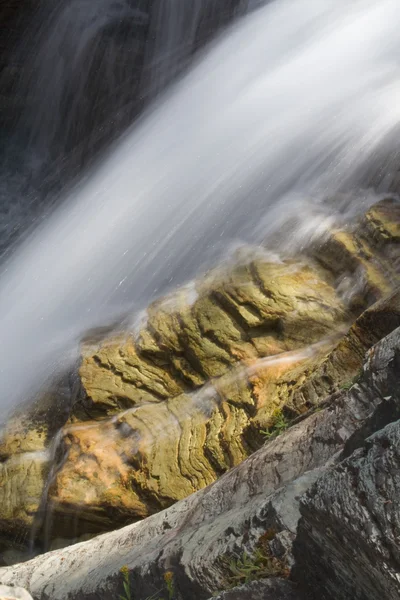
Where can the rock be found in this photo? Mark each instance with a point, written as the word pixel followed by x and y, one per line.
pixel 13 593
pixel 163 432
pixel 147 458
pixel 367 253
pixel 259 497
pixel 344 362
pixel 347 543
pixel 20 436
pixel 167 411
pixel 26 458
pixel 255 310
pixel 267 589
pixel 22 480
pixel 175 432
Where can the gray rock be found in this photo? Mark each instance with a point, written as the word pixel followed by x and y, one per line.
pixel 266 589
pixel 230 515
pixel 223 519
pixel 348 543
pixel 13 593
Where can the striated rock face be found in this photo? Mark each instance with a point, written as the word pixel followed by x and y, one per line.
pixel 268 589
pixel 368 252
pixel 257 309
pixel 194 538
pixel 348 538
pixel 344 363
pixel 165 412
pixel 173 433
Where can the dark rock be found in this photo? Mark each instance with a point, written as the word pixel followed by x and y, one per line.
pixel 348 538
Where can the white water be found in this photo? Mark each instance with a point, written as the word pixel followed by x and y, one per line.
pixel 297 101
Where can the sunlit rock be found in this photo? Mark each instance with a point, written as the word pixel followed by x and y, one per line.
pixel 166 409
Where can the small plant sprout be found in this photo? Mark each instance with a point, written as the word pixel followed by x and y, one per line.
pixel 126 583
pixel 261 564
pixel 169 582
pixel 279 424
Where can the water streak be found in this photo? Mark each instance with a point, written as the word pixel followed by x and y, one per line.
pixel 297 102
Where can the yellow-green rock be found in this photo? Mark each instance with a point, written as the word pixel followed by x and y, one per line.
pixel 167 410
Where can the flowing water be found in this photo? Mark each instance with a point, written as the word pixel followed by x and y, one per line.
pixel 287 117
pixel 81 73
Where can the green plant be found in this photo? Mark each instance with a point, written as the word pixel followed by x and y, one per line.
pixel 169 582
pixel 245 568
pixel 261 564
pixel 279 423
pixel 126 583
pixel 348 384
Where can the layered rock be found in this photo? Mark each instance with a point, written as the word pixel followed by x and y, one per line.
pixel 255 310
pixel 165 411
pixel 348 539
pixel 343 365
pixel 365 256
pixel 192 392
pixel 259 499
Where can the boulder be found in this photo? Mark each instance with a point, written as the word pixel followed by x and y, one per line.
pixel 267 589
pixel 184 401
pixel 161 412
pixel 364 256
pixel 146 458
pixel 256 309
pixel 348 538
pixel 197 537
pixel 13 593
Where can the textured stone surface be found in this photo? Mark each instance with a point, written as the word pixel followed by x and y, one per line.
pixel 256 309
pixel 268 589
pixel 147 458
pixel 348 538
pixel 167 411
pixel 367 253
pixel 174 409
pixel 13 593
pixel 231 515
pixel 22 480
pixel 344 362
pixel 185 401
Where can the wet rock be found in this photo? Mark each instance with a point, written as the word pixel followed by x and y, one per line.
pixel 260 497
pixel 167 411
pixel 367 253
pixel 22 480
pixel 161 430
pixel 144 459
pixel 343 364
pixel 255 310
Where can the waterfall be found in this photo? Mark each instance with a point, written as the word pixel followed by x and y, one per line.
pixel 289 111
pixel 89 67
pixel 86 70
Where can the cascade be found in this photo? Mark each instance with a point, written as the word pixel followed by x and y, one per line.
pixel 284 117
